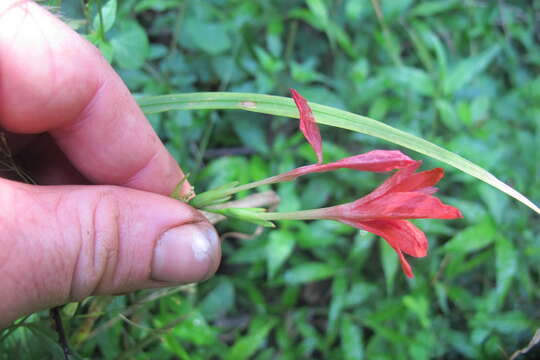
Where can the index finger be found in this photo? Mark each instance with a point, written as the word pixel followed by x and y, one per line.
pixel 51 79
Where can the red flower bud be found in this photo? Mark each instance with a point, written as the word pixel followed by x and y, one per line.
pixel 375 161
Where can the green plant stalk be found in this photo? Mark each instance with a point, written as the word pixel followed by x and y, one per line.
pixel 311 214
pixel 208 197
pixel 101 26
pixel 281 106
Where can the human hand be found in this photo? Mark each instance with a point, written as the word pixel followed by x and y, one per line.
pixel 72 121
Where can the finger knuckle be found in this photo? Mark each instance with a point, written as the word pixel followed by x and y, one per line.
pixel 97 258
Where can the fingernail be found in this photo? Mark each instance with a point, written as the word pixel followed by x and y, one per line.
pixel 185 254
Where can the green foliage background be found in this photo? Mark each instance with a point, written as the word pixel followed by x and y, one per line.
pixel 462 74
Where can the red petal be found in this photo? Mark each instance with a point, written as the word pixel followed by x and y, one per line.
pixel 400 234
pixel 390 183
pixel 405 180
pixel 405 266
pixel 430 190
pixel 308 125
pixel 401 205
pixel 375 161
pixel 419 181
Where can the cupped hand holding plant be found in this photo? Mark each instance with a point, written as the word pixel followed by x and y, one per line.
pixel 71 120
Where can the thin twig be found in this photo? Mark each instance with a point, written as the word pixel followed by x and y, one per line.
pixel 534 341
pixel 203 144
pixel 386 32
pixel 440 270
pixel 133 323
pixel 137 306
pixel 291 38
pixel 8 163
pixel 96 308
pixel 13 327
pixel 152 337
pixel 55 314
pixel 242 236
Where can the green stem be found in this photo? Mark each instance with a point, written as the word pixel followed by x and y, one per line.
pixel 293 215
pixel 252 185
pixel 312 214
pixel 209 197
pixel 101 26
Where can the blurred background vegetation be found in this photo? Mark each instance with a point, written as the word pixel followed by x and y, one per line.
pixel 462 74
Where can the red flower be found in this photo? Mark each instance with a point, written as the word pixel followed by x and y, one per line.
pixel 405 195
pixel 308 125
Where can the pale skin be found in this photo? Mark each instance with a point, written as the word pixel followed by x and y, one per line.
pixel 101 221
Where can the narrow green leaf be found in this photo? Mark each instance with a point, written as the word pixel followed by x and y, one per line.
pixel 389 333
pixel 246 346
pixel 218 301
pixel 70 309
pixel 318 8
pixel 351 340
pixel 309 272
pixel 339 291
pixel 430 8
pixel 413 78
pixel 495 201
pixel 281 106
pixel 447 114
pixel 467 69
pixel 419 306
pixel 390 264
pixel 107 13
pixel 195 329
pixel 156 5
pixel 506 266
pixel 280 246
pixel 472 238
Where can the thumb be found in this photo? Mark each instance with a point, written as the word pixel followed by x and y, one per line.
pixel 64 243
